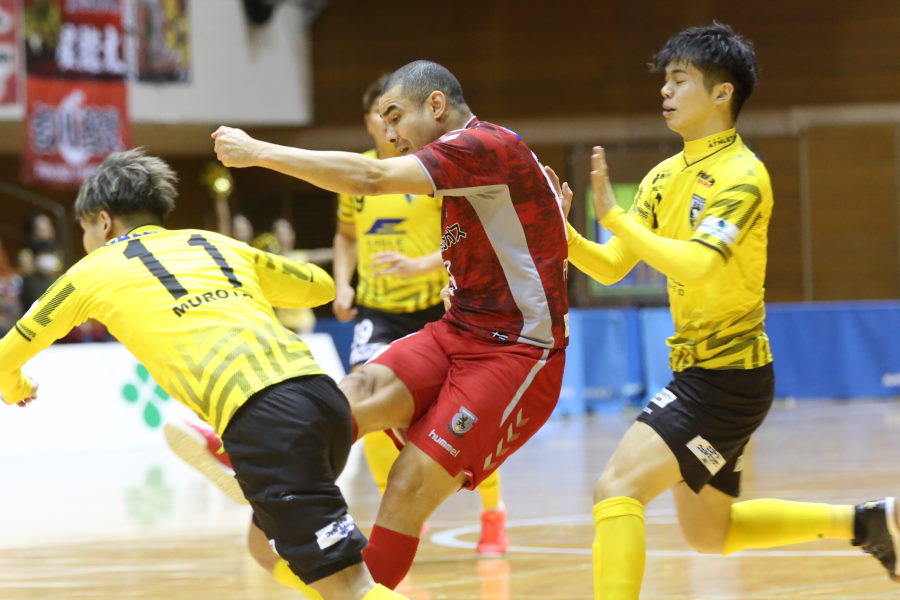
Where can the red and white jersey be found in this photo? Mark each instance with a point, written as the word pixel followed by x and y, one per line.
pixel 504 237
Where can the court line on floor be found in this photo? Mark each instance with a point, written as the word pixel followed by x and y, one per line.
pixel 450 538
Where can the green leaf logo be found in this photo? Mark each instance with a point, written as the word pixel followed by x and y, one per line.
pixel 151 499
pixel 147 392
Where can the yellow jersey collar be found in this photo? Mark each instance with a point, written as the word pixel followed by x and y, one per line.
pixel 699 149
pixel 136 232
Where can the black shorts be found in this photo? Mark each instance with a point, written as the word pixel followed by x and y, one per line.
pixel 707 416
pixel 288 444
pixel 375 329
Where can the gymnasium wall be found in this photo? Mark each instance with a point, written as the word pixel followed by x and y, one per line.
pixel 524 59
pixel 825 117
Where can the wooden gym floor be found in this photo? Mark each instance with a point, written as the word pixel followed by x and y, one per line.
pixel 140 525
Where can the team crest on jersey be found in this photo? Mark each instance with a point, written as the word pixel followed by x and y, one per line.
pixel 705 179
pixel 462 422
pixel 697 204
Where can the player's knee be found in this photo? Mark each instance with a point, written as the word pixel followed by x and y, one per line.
pixel 705 540
pixel 357 385
pixel 416 487
pixel 611 484
pixel 260 549
pixel 706 544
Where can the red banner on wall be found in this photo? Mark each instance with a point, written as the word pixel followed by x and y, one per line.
pixel 71 126
pixel 76 96
pixel 9 52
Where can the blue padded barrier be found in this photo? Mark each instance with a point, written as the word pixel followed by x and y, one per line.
pixel 603 366
pixel 822 350
pixel 341 333
pixel 835 349
pixel 656 326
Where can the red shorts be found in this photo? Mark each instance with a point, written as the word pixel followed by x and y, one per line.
pixel 475 402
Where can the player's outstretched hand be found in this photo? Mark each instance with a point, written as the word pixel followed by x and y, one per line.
pixel 397 263
pixel 604 198
pixel 342 307
pixel 234 148
pixel 563 191
pixel 32 396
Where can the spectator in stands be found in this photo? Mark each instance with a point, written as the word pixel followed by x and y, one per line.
pixel 283 240
pixel 39 262
pixel 10 309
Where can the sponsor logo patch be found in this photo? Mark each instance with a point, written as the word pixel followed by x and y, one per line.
pixel 707 454
pixel 453 234
pixel 719 229
pixel 336 531
pixel 705 179
pixel 664 397
pixel 660 175
pixel 386 227
pixel 443 443
pixel 721 141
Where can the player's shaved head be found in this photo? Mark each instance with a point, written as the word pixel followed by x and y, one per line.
pixel 127 184
pixel 418 79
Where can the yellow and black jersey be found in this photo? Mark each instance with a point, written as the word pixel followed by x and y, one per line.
pixel 401 223
pixel 194 307
pixel 716 192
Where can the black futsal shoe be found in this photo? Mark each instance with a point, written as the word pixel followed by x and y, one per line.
pixel 875 530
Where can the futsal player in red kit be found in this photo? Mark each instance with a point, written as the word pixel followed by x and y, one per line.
pixel 467 391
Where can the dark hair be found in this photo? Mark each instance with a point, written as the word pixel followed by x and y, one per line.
pixel 372 93
pixel 421 77
pixel 128 183
pixel 719 53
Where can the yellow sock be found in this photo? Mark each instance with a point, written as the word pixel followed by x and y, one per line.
pixel 379 592
pixel 618 549
pixel 489 490
pixel 767 522
pixel 283 575
pixel 380 454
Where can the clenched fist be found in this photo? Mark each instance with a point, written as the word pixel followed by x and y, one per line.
pixel 234 148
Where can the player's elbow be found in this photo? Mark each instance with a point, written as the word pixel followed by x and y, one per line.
pixel 325 292
pixel 610 278
pixel 607 273
pixel 703 270
pixel 323 288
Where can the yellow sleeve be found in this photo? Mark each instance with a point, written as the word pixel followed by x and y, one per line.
pixel 684 261
pixel 347 207
pixel 54 314
pixel 290 284
pixel 607 263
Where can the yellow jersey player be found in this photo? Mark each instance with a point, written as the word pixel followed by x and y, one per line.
pixel 701 217
pixel 195 307
pixel 393 243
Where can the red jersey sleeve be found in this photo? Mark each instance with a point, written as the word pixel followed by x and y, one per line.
pixel 465 158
